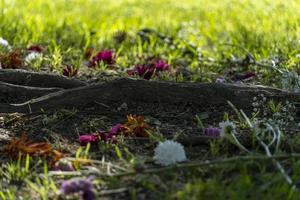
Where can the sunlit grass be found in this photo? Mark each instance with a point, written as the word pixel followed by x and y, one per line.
pixel 264 27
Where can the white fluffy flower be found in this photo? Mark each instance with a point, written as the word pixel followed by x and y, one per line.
pixel 32 56
pixel 3 42
pixel 169 152
pixel 225 126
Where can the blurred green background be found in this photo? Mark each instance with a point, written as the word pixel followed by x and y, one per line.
pixel 262 26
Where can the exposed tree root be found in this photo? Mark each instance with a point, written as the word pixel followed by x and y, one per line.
pixel 17 91
pixel 142 92
pixel 35 79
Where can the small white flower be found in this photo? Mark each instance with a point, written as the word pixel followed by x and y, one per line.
pixel 225 126
pixel 4 43
pixel 169 152
pixel 32 56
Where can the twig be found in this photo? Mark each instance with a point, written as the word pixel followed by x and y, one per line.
pixel 184 165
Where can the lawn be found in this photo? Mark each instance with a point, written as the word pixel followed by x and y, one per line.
pixel 132 99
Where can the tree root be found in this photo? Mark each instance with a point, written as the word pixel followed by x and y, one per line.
pixel 35 79
pixel 142 92
pixel 17 91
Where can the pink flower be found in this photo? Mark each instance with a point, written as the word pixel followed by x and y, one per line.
pixel 148 70
pixel 85 139
pixel 106 56
pixel 111 135
pixel 106 136
pixel 70 71
pixel 212 132
pixel 161 65
pixel 145 71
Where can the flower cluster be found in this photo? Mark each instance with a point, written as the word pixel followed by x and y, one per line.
pixel 76 185
pixel 135 126
pixel 169 152
pixel 106 56
pixel 148 70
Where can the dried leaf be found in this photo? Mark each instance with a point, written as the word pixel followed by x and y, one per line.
pixel 136 126
pixel 25 146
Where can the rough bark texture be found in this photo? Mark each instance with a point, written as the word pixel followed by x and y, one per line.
pixel 145 92
pixel 34 79
pixel 20 90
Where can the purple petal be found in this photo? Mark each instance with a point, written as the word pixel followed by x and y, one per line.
pixel 84 139
pixel 161 65
pixel 212 132
pixel 115 130
pixel 106 56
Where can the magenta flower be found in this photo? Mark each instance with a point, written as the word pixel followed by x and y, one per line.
pixel 83 186
pixel 161 65
pixel 212 132
pixel 70 71
pixel 36 48
pixel 116 129
pixel 148 70
pixel 106 56
pixel 145 71
pixel 111 135
pixel 85 139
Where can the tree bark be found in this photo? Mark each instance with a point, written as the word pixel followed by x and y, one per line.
pixel 38 79
pixel 145 92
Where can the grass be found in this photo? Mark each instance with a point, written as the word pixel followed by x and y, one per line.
pixel 201 40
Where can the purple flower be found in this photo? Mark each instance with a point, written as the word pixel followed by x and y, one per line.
pixel 161 65
pixel 115 130
pixel 145 71
pixel 212 132
pixel 106 56
pixel 111 134
pixel 76 185
pixel 85 139
pixel 150 69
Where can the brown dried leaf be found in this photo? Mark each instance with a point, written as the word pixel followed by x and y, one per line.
pixel 25 146
pixel 136 126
